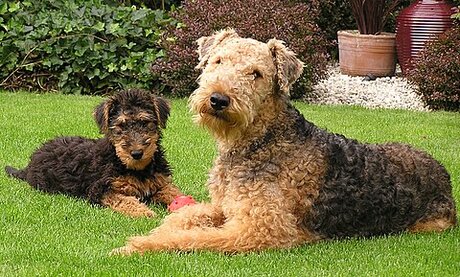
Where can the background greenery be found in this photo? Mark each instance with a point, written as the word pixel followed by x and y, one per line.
pixel 98 46
pixel 437 73
pixel 291 21
pixel 78 46
pixel 44 235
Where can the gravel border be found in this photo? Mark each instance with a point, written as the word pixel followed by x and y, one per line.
pixel 386 92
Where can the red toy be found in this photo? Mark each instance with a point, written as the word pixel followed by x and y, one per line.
pixel 180 201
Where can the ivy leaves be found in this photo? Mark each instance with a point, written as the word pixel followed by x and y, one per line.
pixel 80 47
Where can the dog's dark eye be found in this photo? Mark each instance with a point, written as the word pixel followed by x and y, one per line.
pixel 218 61
pixel 256 74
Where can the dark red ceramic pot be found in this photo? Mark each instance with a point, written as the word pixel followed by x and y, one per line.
pixel 415 25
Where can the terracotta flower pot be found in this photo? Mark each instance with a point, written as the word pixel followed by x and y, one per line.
pixel 361 55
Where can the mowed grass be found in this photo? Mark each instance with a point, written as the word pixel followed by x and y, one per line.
pixel 50 235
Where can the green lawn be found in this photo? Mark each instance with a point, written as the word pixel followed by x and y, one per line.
pixel 57 235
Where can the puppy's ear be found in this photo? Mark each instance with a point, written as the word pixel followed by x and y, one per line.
pixel 206 44
pixel 162 110
pixel 101 115
pixel 288 67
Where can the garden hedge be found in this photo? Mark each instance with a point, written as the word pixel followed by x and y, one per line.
pixel 291 21
pixel 78 46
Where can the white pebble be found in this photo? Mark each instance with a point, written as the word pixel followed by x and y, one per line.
pixel 386 92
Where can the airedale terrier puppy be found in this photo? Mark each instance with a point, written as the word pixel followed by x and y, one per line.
pixel 125 170
pixel 280 181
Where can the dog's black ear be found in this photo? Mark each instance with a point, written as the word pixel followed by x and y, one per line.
pixel 206 44
pixel 288 67
pixel 162 110
pixel 101 115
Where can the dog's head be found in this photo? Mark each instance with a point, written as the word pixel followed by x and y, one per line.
pixel 132 120
pixel 242 79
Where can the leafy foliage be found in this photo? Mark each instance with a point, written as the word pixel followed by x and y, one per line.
pixel 77 46
pixel 456 14
pixel 371 16
pixel 437 71
pixel 334 15
pixel 151 4
pixel 291 21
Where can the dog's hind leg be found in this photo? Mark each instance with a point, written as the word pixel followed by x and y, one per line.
pixel 440 215
pixel 128 205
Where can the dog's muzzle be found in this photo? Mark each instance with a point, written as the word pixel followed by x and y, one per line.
pixel 219 101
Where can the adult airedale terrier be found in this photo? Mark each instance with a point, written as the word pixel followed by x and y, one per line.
pixel 125 170
pixel 280 181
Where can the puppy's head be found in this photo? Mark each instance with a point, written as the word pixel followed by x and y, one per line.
pixel 132 120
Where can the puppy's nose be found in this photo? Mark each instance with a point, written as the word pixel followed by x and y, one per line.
pixel 137 154
pixel 219 101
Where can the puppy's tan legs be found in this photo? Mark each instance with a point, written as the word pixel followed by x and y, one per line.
pixel 167 191
pixel 128 205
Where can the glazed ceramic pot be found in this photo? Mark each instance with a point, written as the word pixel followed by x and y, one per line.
pixel 422 21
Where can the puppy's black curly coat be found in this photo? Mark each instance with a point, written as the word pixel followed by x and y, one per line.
pixel 121 170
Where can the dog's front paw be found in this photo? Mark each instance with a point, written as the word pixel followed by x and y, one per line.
pixel 122 251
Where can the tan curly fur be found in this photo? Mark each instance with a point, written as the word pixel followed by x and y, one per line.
pixel 280 181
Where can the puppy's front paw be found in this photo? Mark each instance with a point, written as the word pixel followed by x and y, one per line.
pixel 149 213
pixel 141 213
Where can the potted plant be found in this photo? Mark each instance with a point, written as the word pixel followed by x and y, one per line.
pixel 368 50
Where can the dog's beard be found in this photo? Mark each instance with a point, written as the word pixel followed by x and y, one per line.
pixel 226 125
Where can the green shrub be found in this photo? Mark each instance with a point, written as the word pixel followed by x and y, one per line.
pixel 151 4
pixel 437 71
pixel 335 15
pixel 456 15
pixel 77 46
pixel 290 21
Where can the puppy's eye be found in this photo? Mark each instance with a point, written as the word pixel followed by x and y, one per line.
pixel 120 125
pixel 116 130
pixel 149 125
pixel 256 74
pixel 147 141
pixel 218 61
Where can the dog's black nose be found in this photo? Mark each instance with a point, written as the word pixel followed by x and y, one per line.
pixel 219 101
pixel 137 154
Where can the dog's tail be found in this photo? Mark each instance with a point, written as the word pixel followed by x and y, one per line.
pixel 17 173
